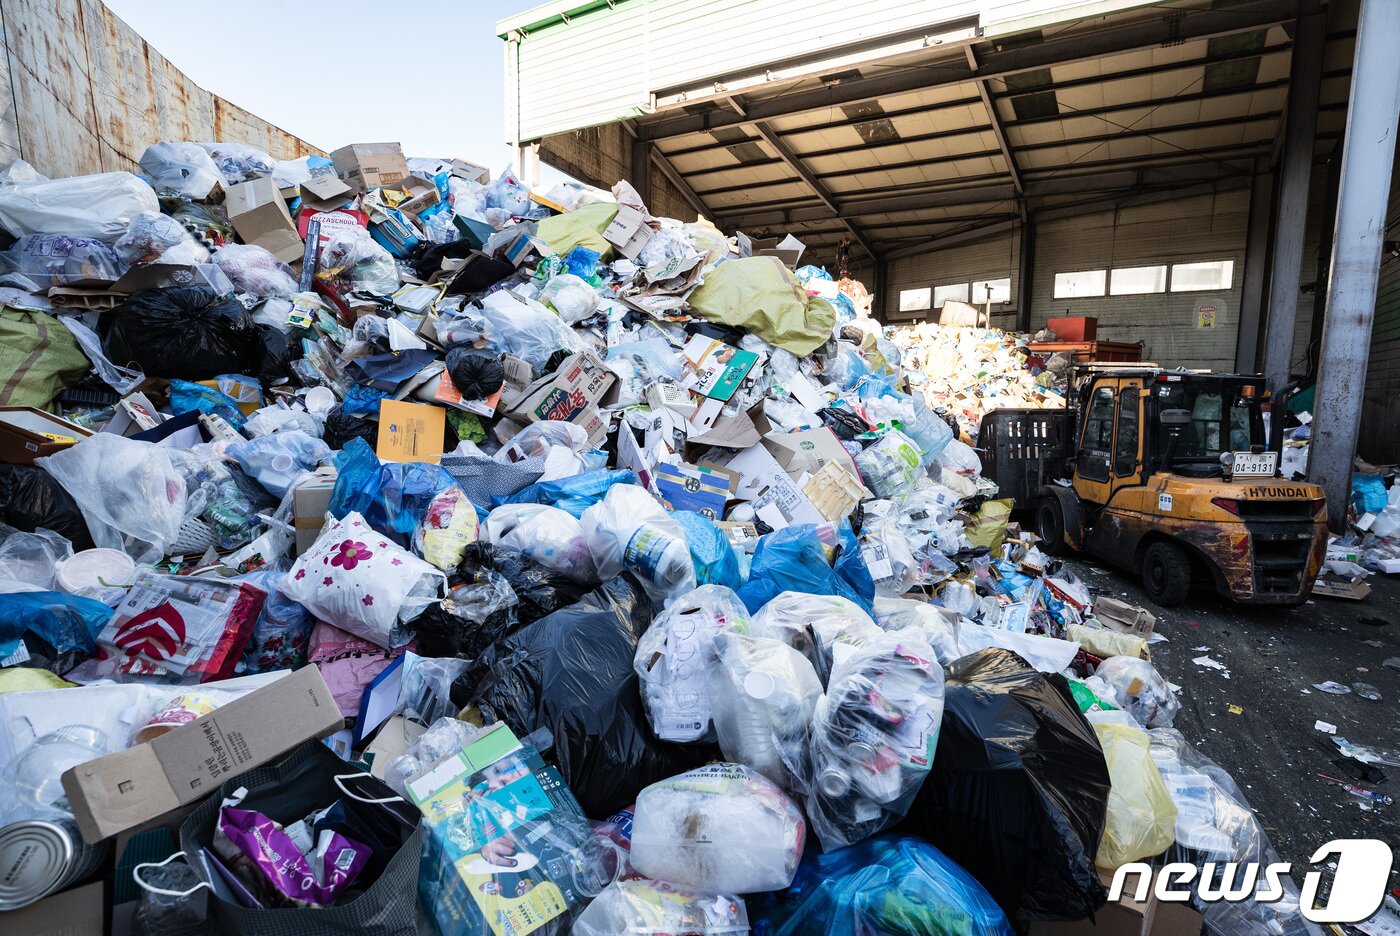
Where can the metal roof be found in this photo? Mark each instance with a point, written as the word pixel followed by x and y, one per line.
pixel 954 142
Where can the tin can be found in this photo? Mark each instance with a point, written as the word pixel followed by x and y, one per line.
pixel 39 857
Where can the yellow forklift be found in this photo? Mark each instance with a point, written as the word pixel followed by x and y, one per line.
pixel 1165 473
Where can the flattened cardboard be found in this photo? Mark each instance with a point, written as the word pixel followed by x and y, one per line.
pixel 809 450
pixel 1123 617
pixel 410 432
pixel 370 165
pixel 719 368
pixel 325 193
pixel 628 232
pixel 834 492
pixel 74 912
pixel 122 790
pixel 259 214
pixel 27 433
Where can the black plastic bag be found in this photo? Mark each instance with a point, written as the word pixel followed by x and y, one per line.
pixel 538 589
pixel 341 427
pixel 191 333
pixel 571 672
pixel 479 610
pixel 1018 791
pixel 476 374
pixel 30 499
pixel 275 355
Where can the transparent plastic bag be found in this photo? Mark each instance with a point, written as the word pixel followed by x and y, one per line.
pixel 687 830
pixel 763 693
pixel 58 259
pixel 642 907
pixel 277 461
pixel 1141 819
pixel 814 624
pixel 30 558
pixel 154 237
pixel 280 636
pixel 131 495
pixel 444 738
pixel 239 162
pixel 675 656
pixel 525 328
pixel 447 529
pixel 891 467
pixel 353 261
pixel 1140 691
pixel 254 270
pixel 547 535
pixel 628 529
pixel 99 206
pixel 939 626
pixel 874 733
pixel 182 168
pixel 174 900
pixel 573 298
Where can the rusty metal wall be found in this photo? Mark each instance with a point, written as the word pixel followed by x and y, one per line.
pixel 81 92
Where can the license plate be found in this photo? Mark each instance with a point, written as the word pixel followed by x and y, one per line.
pixel 1255 465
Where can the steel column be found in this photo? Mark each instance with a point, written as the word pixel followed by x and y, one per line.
pixel 1025 271
pixel 1367 156
pixel 1256 258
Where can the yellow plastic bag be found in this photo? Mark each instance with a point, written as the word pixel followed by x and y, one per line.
pixel 1141 815
pixel 762 295
pixel 582 227
pixel 1105 643
pixel 988 528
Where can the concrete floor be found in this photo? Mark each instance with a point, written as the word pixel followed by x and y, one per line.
pixel 1273 658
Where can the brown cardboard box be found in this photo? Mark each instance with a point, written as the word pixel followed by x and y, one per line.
pixel 787 249
pixel 310 500
pixel 370 165
pixel 259 214
pixel 628 232
pixel 470 171
pixel 422 195
pixel 75 912
pixel 25 431
pixel 569 394
pixel 132 786
pixel 325 193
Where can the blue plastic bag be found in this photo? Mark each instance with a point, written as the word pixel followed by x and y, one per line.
pixel 393 497
pixel 795 559
pixel 282 630
pixel 1368 493
pixel 893 885
pixel 710 551
pixel 574 494
pixel 186 397
pixel 65 622
pixel 362 400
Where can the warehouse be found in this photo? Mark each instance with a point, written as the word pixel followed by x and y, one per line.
pixel 1170 168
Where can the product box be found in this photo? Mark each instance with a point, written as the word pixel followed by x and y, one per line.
pixel 259 214
pixel 134 413
pixel 310 501
pixel 719 368
pixel 808 450
pixel 122 790
pixel 470 171
pixel 74 912
pixel 628 232
pixel 419 195
pixel 1074 327
pixel 570 394
pixel 702 489
pixel 787 249
pixel 27 433
pixel 370 165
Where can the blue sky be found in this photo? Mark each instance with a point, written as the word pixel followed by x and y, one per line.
pixel 427 74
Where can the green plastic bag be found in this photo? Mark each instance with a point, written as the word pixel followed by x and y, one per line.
pixel 39 358
pixel 762 295
pixel 582 227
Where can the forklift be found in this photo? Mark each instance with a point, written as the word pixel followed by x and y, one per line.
pixel 1165 473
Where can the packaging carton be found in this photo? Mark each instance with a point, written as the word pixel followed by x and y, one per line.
pixel 1123 617
pixel 370 165
pixel 74 912
pixel 310 501
pixel 259 214
pixel 787 249
pixel 122 790
pixel 570 394
pixel 628 232
pixel 27 433
pixel 325 193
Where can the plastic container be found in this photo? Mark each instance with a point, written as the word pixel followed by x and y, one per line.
pixel 94 572
pixel 890 467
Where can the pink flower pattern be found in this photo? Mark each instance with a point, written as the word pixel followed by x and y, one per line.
pixel 301 574
pixel 352 553
pixel 368 600
pixel 327 581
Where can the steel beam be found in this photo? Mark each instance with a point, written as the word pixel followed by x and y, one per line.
pixel 688 193
pixel 1368 154
pixel 1025 270
pixel 1256 258
pixel 1171 28
pixel 994 119
pixel 795 164
pixel 1300 126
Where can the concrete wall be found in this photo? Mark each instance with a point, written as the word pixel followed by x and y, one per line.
pixel 81 92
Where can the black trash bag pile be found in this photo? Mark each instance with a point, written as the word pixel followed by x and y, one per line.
pixel 30 499
pixel 1018 792
pixel 341 427
pixel 190 333
pixel 571 672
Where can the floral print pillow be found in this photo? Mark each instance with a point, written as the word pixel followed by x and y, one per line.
pixel 362 582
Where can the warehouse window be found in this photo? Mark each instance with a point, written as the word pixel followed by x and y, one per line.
pixel 1197 277
pixel 997 290
pixel 915 300
pixel 952 292
pixel 1137 281
pixel 1080 284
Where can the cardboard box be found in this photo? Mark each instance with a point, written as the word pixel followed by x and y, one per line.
pixel 67 297
pixel 808 450
pixel 719 368
pixel 787 249
pixel 171 275
pixel 1074 327
pixel 134 413
pixel 325 193
pixel 75 912
pixel 411 432
pixel 27 433
pixel 310 501
pixel 259 214
pixel 704 489
pixel 1352 589
pixel 123 790
pixel 570 394
pixel 1128 917
pixel 1123 617
pixel 470 171
pixel 628 232
pixel 419 195
pixel 370 165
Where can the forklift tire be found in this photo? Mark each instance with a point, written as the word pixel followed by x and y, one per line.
pixel 1050 526
pixel 1166 574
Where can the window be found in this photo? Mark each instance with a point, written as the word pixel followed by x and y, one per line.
pixel 1000 290
pixel 1214 427
pixel 914 300
pixel 1126 448
pixel 1097 440
pixel 1080 284
pixel 953 292
pixel 1138 281
pixel 1198 277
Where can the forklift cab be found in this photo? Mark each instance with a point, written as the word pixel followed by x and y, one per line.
pixel 1170 476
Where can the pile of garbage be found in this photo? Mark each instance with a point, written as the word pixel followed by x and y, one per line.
pixel 381 536
pixel 964 372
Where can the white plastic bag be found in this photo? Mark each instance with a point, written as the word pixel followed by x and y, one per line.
pixel 547 535
pixel 525 328
pixel 722 828
pixel 182 168
pixel 571 296
pixel 628 529
pixel 674 658
pixel 131 494
pixel 640 907
pixel 360 581
pixel 99 206
pixel 254 270
pixel 814 625
pixel 152 237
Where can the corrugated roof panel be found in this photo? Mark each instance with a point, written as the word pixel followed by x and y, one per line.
pixel 769 193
